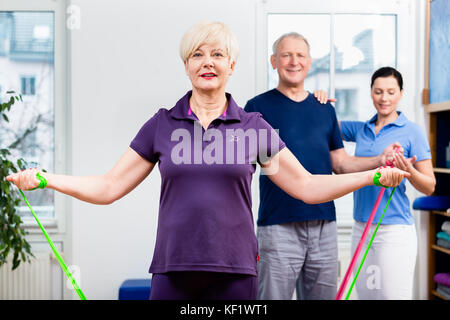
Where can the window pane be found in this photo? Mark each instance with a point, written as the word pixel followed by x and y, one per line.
pixel 27 67
pixel 364 43
pixel 316 29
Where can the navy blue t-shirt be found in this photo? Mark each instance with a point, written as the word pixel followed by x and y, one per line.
pixel 310 130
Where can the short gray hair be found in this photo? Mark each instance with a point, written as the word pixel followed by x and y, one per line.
pixel 295 35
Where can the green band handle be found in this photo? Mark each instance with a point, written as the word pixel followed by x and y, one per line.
pixel 376 180
pixel 42 182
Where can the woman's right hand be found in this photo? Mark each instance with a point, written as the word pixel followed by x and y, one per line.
pixel 322 96
pixel 25 180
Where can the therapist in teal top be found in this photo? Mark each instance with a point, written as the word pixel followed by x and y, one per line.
pixel 388 271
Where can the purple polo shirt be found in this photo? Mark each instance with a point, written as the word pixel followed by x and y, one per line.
pixel 205 215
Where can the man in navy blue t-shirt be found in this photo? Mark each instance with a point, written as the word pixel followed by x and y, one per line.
pixel 298 241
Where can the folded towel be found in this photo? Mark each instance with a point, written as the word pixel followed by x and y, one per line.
pixel 442 278
pixel 443 290
pixel 443 243
pixel 443 235
pixel 446 227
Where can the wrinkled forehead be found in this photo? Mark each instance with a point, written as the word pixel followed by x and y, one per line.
pixel 292 44
pixel 211 46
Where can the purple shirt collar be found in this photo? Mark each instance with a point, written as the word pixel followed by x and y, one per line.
pixel 182 110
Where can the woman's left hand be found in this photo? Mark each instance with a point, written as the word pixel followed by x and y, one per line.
pixel 392 177
pixel 402 163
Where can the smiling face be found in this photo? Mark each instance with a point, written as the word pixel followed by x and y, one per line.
pixel 386 94
pixel 292 61
pixel 209 67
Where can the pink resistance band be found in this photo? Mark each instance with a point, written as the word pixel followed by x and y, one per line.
pixel 360 244
pixel 363 237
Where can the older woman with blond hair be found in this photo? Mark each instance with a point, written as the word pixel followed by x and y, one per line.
pixel 207 148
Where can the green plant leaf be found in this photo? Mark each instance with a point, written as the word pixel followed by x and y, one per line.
pixel 5 152
pixel 16 261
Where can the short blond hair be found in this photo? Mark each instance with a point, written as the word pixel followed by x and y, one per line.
pixel 209 32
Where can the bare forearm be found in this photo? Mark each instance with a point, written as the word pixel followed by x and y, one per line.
pixel 287 173
pixel 126 174
pixel 357 164
pixel 92 189
pixel 324 188
pixel 422 182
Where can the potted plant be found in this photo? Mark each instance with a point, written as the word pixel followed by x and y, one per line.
pixel 12 234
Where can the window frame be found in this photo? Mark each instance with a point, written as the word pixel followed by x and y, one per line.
pixel 58 223
pixel 405 45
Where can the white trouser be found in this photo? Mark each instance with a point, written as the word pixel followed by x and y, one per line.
pixel 388 271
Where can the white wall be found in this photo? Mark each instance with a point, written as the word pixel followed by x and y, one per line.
pixel 124 66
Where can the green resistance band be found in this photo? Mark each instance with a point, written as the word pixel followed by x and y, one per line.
pixel 376 180
pixel 42 185
pixel 370 242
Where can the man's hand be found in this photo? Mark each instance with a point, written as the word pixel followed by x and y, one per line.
pixel 387 157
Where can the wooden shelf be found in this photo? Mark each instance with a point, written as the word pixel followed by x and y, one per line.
pixel 438 121
pixel 442 249
pixel 442 213
pixel 437 294
pixel 441 170
pixel 438 107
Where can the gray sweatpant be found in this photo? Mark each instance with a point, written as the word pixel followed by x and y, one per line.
pixel 305 251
